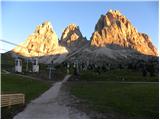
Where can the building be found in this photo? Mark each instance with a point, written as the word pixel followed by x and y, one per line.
pixel 35 65
pixel 18 65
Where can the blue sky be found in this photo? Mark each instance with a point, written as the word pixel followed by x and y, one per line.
pixel 19 19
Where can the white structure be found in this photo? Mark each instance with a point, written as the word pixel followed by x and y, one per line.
pixel 18 65
pixel 35 65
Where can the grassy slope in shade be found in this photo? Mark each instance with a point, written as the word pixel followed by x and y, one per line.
pixel 16 84
pixel 132 100
pixel 117 75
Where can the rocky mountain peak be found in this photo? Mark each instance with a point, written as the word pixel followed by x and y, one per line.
pixel 43 41
pixel 112 17
pixel 71 33
pixel 115 29
pixel 115 12
pixel 44 27
pixel 72 37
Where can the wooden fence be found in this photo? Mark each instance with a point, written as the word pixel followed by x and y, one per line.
pixel 12 99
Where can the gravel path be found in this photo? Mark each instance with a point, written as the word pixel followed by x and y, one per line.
pixel 50 106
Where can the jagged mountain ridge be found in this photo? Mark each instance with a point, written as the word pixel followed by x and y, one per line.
pixel 72 38
pixel 115 29
pixel 111 29
pixel 42 42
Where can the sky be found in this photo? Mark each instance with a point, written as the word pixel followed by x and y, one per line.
pixel 19 19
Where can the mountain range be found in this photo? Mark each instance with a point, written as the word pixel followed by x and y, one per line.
pixel 114 39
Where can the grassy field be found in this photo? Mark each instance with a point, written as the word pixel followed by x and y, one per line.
pixel 131 100
pixel 11 83
pixel 104 93
pixel 117 75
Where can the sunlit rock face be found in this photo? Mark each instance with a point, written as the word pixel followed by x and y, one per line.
pixel 115 29
pixel 72 37
pixel 114 40
pixel 42 42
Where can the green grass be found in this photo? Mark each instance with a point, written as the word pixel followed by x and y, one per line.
pixel 11 83
pixel 117 75
pixel 132 100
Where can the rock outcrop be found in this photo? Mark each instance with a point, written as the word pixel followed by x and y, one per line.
pixel 72 38
pixel 115 40
pixel 42 42
pixel 115 29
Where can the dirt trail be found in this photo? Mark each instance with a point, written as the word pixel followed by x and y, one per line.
pixel 48 106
